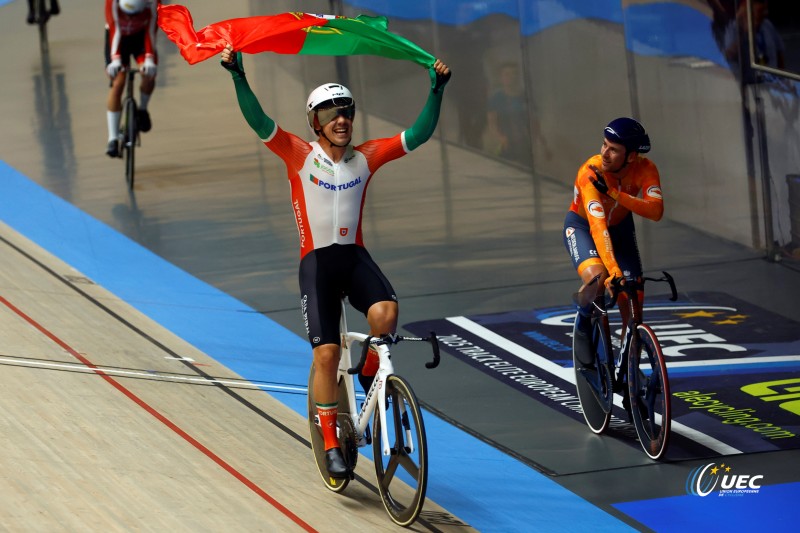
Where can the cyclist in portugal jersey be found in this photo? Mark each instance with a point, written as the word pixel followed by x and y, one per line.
pixel 328 179
pixel 598 230
pixel 130 31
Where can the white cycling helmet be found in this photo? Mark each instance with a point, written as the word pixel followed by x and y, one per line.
pixel 131 7
pixel 328 95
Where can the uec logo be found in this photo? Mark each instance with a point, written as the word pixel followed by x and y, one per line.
pixel 704 479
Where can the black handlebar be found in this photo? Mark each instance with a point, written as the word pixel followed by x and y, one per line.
pixel 632 285
pixel 394 339
pixel 669 280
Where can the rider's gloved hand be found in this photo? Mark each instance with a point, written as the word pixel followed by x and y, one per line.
pixel 614 274
pixel 114 67
pixel 234 66
pixel 440 75
pixel 599 182
pixel 149 67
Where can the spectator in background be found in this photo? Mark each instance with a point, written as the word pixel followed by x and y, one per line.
pixel 769 47
pixel 507 133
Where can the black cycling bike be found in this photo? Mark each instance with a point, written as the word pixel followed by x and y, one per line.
pixel 638 372
pixel 129 137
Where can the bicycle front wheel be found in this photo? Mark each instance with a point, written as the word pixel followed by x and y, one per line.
pixel 346 431
pixel 648 390
pixel 403 474
pixel 594 382
pixel 129 140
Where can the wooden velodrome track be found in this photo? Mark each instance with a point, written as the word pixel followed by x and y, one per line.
pixel 112 423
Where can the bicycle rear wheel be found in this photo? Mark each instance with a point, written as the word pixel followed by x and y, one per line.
pixel 347 436
pixel 648 390
pixel 595 384
pixel 130 134
pixel 403 474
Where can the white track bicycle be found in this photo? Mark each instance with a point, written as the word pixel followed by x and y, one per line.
pixel 400 449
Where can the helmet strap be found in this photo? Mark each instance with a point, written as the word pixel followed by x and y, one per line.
pixel 322 134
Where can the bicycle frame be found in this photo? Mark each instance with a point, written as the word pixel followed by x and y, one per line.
pixel 636 311
pixel 375 396
pixel 399 447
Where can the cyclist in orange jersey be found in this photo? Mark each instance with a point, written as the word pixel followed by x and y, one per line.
pixel 598 230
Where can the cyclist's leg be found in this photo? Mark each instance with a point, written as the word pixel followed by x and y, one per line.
pixel 586 261
pixel 147 84
pixel 626 251
pixel 114 101
pixel 326 390
pixel 31 12
pixel 371 293
pixel 321 307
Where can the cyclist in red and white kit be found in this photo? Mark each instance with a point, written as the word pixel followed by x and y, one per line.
pixel 328 179
pixel 130 31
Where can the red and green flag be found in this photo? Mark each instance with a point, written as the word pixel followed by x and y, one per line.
pixel 288 33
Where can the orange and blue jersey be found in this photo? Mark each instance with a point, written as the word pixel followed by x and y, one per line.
pixel 639 192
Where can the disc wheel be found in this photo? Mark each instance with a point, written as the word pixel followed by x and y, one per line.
pixel 130 134
pixel 403 474
pixel 594 386
pixel 347 438
pixel 648 390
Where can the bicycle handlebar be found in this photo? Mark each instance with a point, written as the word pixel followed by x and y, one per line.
pixel 633 285
pixel 671 282
pixel 394 339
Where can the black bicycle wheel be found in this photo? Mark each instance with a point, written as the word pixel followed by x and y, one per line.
pixel 347 439
pixel 129 141
pixel 594 384
pixel 403 474
pixel 648 391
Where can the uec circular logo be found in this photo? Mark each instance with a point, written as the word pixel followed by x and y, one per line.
pixel 700 484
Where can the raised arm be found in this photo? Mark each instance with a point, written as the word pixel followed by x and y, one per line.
pixel 425 124
pixel 248 103
pixel 651 204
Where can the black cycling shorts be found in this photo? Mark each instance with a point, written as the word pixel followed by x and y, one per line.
pixel 326 276
pixel 581 246
pixel 129 45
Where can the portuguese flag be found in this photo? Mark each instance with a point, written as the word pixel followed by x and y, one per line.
pixel 288 33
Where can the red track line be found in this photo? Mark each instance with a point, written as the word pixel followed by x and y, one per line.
pixel 144 405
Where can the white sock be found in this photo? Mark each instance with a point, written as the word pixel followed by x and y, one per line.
pixel 113 124
pixel 143 99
